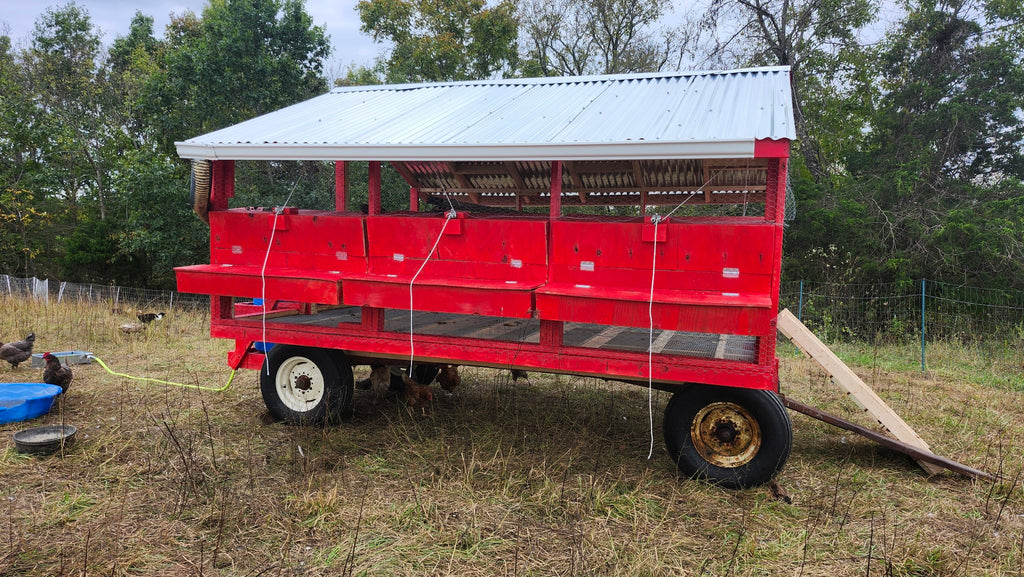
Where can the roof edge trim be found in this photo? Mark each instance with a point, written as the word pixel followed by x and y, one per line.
pixel 539 80
pixel 633 150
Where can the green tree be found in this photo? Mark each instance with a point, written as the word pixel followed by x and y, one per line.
pixel 942 153
pixel 438 40
pixel 819 40
pixel 240 59
pixel 72 136
pixel 576 37
pixel 243 58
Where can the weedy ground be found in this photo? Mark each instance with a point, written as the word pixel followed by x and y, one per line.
pixel 545 477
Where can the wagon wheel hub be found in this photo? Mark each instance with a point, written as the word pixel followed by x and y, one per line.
pixel 303 382
pixel 725 434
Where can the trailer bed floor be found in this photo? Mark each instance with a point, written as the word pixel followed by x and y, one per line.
pixel 513 330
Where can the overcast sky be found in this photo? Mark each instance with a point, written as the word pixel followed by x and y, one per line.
pixel 113 18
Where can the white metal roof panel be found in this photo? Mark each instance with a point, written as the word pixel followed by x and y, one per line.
pixel 716 114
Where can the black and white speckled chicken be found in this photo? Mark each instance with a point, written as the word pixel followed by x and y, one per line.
pixel 147 318
pixel 57 374
pixel 18 351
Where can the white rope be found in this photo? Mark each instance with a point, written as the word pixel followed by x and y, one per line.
pixel 656 220
pixel 263 276
pixel 650 342
pixel 412 344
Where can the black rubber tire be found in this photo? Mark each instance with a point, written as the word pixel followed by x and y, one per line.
pixel 762 459
pixel 424 375
pixel 306 385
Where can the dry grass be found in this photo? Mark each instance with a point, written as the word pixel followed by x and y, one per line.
pixel 545 477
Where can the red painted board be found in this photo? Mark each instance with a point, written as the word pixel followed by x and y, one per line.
pixel 699 318
pixel 249 282
pixel 403 267
pixel 708 298
pixel 767 148
pixel 664 280
pixel 497 241
pixel 495 301
pixel 698 246
pixel 240 236
pixel 574 360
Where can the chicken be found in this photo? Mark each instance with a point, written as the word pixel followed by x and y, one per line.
pixel 132 328
pixel 57 374
pixel 518 374
pixel 18 351
pixel 415 393
pixel 449 377
pixel 146 318
pixel 379 375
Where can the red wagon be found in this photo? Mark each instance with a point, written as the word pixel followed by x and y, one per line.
pixel 509 255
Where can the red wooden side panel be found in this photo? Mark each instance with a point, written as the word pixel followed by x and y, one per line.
pixel 488 299
pixel 731 256
pixel 748 317
pixel 310 253
pixel 471 248
pixel 314 240
pixel 711 276
pixel 486 266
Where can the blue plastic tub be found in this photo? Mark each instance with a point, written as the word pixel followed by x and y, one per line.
pixel 23 401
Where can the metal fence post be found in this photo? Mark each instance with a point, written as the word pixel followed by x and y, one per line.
pixel 800 303
pixel 922 326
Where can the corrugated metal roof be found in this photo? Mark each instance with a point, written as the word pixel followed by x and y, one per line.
pixel 716 114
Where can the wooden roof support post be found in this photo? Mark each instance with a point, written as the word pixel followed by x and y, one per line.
pixel 847 380
pixel 556 189
pixel 222 185
pixel 414 199
pixel 340 185
pixel 374 189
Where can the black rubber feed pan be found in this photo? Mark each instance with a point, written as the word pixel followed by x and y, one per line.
pixel 44 440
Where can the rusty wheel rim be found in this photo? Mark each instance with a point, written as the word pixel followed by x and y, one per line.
pixel 725 434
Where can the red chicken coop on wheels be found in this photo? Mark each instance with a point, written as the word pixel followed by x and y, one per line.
pixel 626 227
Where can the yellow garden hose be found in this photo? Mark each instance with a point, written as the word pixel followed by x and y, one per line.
pixel 183 385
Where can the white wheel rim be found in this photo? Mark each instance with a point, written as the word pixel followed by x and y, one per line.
pixel 300 384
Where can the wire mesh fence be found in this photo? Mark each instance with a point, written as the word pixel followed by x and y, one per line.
pixel 116 296
pixel 912 316
pixel 909 318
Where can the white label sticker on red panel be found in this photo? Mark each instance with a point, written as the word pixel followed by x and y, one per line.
pixel 731 272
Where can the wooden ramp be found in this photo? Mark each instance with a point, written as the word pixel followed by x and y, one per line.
pixel 854 387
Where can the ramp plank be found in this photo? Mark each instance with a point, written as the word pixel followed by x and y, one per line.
pixel 849 382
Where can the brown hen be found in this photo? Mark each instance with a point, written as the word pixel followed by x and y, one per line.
pixel 449 377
